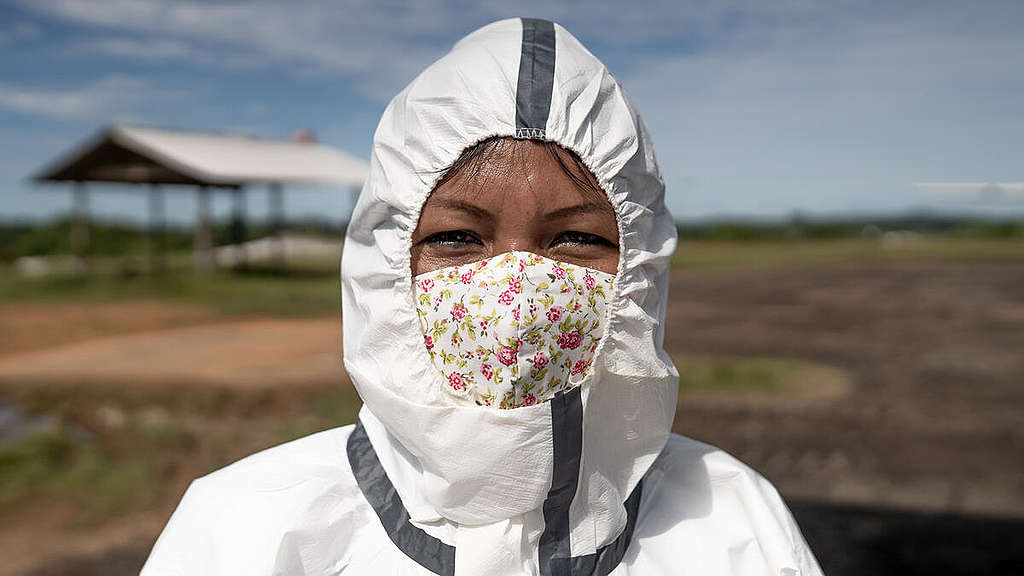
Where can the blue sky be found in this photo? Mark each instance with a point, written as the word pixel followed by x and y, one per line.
pixel 756 108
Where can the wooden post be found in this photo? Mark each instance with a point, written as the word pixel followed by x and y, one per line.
pixel 80 226
pixel 157 231
pixel 238 225
pixel 276 217
pixel 202 248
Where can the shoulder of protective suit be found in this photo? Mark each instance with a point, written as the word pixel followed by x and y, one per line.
pixel 251 516
pixel 702 489
pixel 302 460
pixel 683 455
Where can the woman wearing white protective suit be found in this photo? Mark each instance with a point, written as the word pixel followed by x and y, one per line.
pixel 504 279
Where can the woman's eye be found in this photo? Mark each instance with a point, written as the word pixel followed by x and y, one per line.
pixel 452 238
pixel 581 238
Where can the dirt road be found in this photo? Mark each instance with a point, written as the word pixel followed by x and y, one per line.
pixel 245 353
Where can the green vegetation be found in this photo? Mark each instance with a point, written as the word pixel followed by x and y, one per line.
pixel 125 239
pixel 802 241
pixel 111 450
pixel 735 374
pixel 108 450
pixel 312 288
pixel 720 254
pixel 801 229
pixel 255 292
pixel 780 378
pixel 53 464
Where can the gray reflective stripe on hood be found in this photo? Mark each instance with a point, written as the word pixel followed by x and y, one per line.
pixel 373 482
pixel 536 78
pixel 554 554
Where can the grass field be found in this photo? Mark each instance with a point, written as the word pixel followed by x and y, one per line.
pixel 106 451
pixel 713 254
pixel 303 292
pixel 105 454
pixel 312 288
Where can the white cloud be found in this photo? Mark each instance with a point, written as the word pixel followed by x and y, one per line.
pixel 109 97
pixel 382 45
pixel 818 117
pixel 169 50
pixel 17 32
pixel 143 49
pixel 755 107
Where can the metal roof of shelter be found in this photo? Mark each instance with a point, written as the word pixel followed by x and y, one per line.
pixel 144 155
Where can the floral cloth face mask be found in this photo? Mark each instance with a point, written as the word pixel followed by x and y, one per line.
pixel 513 330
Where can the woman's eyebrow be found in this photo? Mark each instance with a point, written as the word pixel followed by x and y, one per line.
pixel 578 210
pixel 462 206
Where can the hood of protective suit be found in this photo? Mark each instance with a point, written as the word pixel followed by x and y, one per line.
pixel 555 475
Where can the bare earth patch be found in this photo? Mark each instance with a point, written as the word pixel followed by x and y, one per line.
pixel 32 325
pixel 245 353
pixel 932 350
pixel 896 384
pixel 24 550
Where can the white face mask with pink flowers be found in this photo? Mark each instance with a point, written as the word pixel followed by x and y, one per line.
pixel 513 330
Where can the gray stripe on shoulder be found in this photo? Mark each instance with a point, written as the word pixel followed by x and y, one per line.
pixel 427 551
pixel 602 562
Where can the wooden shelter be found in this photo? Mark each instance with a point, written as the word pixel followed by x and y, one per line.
pixel 204 160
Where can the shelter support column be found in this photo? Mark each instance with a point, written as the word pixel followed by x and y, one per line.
pixel 157 230
pixel 202 247
pixel 238 226
pixel 80 225
pixel 276 217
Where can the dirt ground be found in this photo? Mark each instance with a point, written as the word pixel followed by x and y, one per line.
pixel 933 419
pixel 255 353
pixel 28 326
pixel 929 423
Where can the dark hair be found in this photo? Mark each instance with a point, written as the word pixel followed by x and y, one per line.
pixel 476 156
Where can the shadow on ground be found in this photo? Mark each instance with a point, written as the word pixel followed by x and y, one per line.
pixel 850 541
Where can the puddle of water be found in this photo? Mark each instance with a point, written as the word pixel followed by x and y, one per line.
pixel 14 425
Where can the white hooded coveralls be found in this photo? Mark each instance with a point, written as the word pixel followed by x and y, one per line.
pixel 591 482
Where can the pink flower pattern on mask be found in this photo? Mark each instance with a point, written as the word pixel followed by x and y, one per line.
pixel 455 381
pixel 570 340
pixel 507 355
pixel 554 314
pixel 513 330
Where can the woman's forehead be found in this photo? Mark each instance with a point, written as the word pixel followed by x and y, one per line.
pixel 512 172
